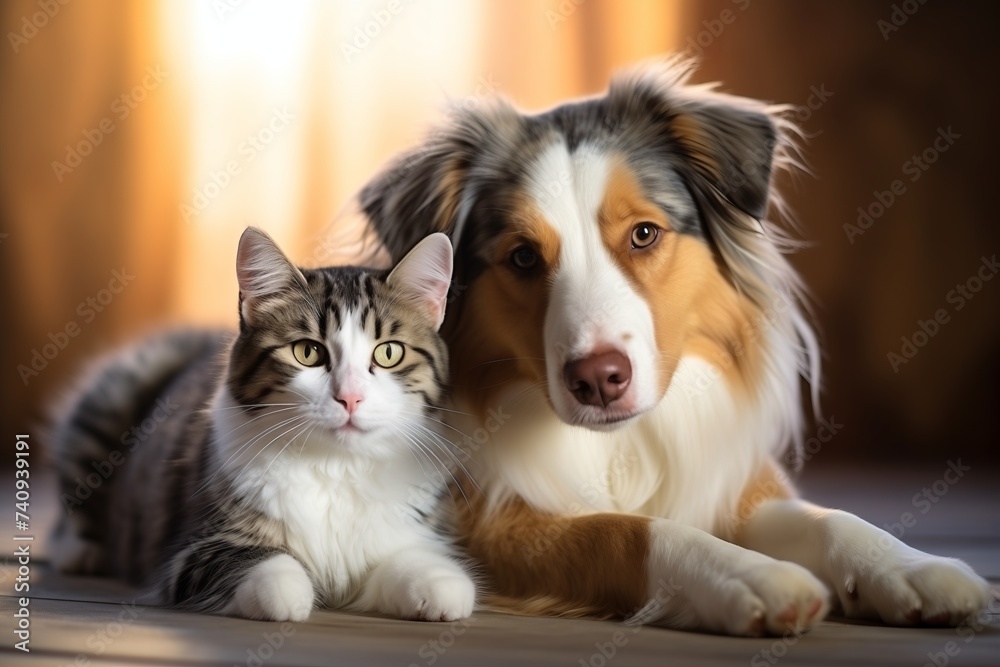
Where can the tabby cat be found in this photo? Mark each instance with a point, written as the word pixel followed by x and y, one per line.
pixel 287 467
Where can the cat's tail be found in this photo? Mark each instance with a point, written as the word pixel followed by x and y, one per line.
pixel 91 431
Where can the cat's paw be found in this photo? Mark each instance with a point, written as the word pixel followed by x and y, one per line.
pixel 438 596
pixel 771 597
pixel 279 589
pixel 902 586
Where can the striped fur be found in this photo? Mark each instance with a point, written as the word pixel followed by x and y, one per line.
pixel 235 475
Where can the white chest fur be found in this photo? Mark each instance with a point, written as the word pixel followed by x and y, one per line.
pixel 688 459
pixel 343 517
pixel 342 513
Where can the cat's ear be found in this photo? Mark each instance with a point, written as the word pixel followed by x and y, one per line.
pixel 424 275
pixel 263 271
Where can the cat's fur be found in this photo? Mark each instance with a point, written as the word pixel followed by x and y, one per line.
pixel 238 480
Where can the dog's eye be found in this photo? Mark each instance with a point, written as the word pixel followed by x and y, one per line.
pixel 308 352
pixel 643 235
pixel 524 258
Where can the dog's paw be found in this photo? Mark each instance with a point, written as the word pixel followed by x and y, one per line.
pixel 772 597
pixel 717 586
pixel 903 586
pixel 440 596
pixel 279 589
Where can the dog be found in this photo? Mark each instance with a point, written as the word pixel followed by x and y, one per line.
pixel 628 342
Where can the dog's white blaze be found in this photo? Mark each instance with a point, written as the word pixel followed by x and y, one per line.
pixel 591 305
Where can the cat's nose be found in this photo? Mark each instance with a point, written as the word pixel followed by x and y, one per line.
pixel 350 400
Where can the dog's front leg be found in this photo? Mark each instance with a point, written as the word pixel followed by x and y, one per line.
pixel 721 587
pixel 873 574
pixel 613 564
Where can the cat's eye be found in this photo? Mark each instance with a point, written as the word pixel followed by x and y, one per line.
pixel 524 258
pixel 308 352
pixel 389 354
pixel 644 235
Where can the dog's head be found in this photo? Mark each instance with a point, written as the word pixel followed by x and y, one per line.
pixel 600 242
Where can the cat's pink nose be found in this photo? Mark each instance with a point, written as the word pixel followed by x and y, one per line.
pixel 350 400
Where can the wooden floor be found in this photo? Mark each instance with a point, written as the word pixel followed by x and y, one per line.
pixel 78 621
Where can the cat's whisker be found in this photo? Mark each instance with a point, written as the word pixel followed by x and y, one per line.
pixel 468 475
pixel 413 452
pixel 243 407
pixel 250 421
pixel 246 466
pixel 445 424
pixel 525 392
pixel 498 361
pixel 301 428
pixel 298 393
pixel 457 412
pixel 417 442
pixel 418 431
pixel 409 437
pixel 305 440
pixel 427 452
pixel 259 436
pixel 444 446
pixel 239 451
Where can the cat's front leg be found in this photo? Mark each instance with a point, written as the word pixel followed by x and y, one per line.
pixel 278 589
pixel 421 585
pixel 873 575
pixel 254 582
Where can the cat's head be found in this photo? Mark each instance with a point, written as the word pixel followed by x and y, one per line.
pixel 337 361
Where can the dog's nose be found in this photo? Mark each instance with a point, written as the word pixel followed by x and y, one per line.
pixel 598 379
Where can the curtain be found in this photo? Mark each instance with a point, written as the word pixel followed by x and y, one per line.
pixel 140 138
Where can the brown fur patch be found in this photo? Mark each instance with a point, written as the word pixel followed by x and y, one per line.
pixel 535 562
pixel 695 309
pixel 499 337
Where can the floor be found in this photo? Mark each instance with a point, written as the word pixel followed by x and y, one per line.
pixel 85 622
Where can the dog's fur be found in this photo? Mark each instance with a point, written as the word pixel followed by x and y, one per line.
pixel 669 500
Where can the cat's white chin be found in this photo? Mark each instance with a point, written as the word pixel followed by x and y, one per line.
pixel 353 440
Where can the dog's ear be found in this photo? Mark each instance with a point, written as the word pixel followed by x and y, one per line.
pixel 730 148
pixel 418 194
pixel 725 145
pixel 433 188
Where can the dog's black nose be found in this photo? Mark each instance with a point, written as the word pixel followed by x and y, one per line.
pixel 598 379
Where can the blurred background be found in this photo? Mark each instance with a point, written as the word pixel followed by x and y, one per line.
pixel 139 139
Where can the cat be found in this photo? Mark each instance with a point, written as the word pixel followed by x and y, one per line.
pixel 290 466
